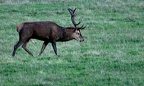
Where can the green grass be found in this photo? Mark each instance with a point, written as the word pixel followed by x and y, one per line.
pixel 111 55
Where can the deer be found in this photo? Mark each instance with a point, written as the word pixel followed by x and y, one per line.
pixel 49 32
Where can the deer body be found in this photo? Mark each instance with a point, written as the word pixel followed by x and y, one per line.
pixel 46 31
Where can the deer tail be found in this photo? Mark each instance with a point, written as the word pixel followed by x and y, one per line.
pixel 19 27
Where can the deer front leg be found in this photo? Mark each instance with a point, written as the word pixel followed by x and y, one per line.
pixel 43 47
pixel 54 46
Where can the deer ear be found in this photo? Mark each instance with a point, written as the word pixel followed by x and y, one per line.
pixel 74 30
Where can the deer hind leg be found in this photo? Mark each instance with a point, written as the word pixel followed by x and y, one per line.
pixel 19 43
pixel 43 47
pixel 24 47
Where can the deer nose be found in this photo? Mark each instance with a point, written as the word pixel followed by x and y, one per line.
pixel 82 40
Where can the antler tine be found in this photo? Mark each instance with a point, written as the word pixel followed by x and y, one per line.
pixel 82 27
pixel 79 21
pixel 72 12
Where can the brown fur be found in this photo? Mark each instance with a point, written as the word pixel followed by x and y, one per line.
pixel 19 27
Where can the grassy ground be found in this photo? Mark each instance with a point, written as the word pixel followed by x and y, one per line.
pixel 111 55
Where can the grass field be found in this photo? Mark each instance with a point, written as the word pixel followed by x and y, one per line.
pixel 111 55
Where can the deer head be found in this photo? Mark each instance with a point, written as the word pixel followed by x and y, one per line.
pixel 76 32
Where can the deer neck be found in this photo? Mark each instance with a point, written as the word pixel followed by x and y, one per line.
pixel 67 34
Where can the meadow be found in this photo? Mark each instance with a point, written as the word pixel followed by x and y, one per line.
pixel 111 55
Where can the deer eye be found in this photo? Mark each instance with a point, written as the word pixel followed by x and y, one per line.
pixel 78 33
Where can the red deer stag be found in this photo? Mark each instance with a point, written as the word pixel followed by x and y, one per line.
pixel 49 32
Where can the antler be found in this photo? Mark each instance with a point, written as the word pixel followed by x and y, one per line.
pixel 82 27
pixel 72 12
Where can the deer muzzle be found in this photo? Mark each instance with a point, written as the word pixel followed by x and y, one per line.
pixel 82 40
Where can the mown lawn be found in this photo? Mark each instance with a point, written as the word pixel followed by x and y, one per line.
pixel 111 55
